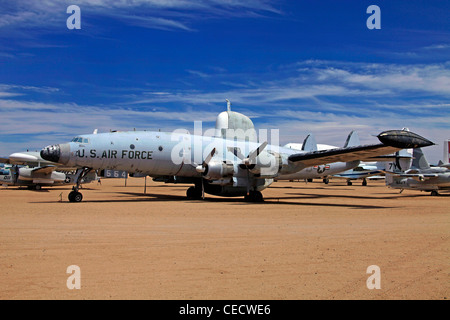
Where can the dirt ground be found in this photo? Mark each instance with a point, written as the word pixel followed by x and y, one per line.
pixel 306 241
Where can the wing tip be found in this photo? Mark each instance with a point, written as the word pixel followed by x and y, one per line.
pixel 403 139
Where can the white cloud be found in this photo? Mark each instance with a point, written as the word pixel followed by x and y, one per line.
pixel 158 14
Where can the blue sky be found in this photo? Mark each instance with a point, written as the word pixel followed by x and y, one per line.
pixel 299 66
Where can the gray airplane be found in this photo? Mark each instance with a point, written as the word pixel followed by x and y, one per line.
pixel 229 163
pixel 30 170
pixel 421 176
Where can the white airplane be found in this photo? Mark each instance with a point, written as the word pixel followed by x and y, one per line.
pixel 229 163
pixel 325 170
pixel 30 170
pixel 401 160
pixel 421 176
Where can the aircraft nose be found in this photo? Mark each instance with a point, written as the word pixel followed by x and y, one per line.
pixel 51 153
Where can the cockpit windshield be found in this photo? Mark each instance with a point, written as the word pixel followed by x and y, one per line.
pixel 80 140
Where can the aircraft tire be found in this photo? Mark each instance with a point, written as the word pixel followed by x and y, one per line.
pixel 326 180
pixel 434 193
pixel 37 187
pixel 254 196
pixel 349 183
pixel 193 193
pixel 75 196
pixel 364 182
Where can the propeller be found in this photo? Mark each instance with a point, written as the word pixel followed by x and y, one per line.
pixel 248 161
pixel 203 169
pixel 252 155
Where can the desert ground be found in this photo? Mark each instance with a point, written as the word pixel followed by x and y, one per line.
pixel 306 241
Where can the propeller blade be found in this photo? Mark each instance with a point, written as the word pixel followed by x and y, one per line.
pixel 202 168
pixel 252 155
pixel 209 157
pixel 236 152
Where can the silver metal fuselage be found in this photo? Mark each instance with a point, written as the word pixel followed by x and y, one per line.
pixel 171 154
pixel 440 182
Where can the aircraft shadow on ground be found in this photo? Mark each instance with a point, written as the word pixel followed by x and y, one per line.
pixel 374 197
pixel 154 197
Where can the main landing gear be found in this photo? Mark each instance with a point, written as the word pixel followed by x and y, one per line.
pixel 254 196
pixel 75 195
pixel 194 193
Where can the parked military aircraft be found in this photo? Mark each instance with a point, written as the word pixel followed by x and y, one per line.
pixel 401 160
pixel 230 163
pixel 421 176
pixel 30 170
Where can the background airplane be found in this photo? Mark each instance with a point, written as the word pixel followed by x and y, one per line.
pixel 399 161
pixel 30 170
pixel 421 176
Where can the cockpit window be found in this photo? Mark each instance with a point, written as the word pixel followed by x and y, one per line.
pixel 80 140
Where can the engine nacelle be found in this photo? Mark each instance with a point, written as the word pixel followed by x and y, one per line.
pixel 267 164
pixel 218 170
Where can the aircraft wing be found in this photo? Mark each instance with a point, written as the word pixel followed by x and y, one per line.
pixel 45 169
pixel 415 176
pixel 391 141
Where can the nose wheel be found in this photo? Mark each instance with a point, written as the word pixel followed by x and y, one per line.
pixel 75 195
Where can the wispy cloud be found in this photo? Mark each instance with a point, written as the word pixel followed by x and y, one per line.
pixel 156 14
pixel 314 81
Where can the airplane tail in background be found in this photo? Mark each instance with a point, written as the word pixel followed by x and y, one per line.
pixel 352 140
pixel 419 160
pixel 309 144
pixel 446 158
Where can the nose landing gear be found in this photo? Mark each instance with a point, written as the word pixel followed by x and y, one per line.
pixel 75 195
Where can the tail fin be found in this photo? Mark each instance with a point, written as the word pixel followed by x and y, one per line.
pixel 446 158
pixel 309 144
pixel 419 160
pixel 352 140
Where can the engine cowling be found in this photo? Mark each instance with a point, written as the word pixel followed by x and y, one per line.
pixel 218 170
pixel 267 164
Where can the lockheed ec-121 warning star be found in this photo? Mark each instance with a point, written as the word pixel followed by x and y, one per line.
pixel 230 163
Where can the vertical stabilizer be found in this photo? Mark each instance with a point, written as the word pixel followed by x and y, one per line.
pixel 309 144
pixel 419 160
pixel 446 158
pixel 352 140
